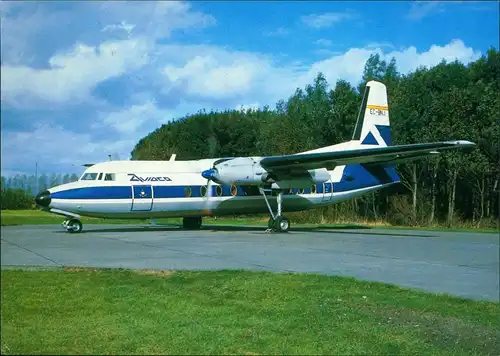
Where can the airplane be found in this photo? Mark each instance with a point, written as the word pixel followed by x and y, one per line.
pixel 194 189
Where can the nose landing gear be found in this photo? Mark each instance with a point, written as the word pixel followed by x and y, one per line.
pixel 72 225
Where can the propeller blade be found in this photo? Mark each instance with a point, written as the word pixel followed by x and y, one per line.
pixel 209 189
pixel 211 176
pixel 207 206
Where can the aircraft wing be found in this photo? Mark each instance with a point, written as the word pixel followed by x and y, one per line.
pixel 377 155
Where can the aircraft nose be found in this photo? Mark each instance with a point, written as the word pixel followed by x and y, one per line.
pixel 43 199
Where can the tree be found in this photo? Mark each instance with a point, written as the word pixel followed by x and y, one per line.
pixel 54 180
pixel 15 199
pixel 341 119
pixel 43 182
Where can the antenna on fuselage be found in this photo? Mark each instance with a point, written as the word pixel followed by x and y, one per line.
pixel 172 158
pixel 109 156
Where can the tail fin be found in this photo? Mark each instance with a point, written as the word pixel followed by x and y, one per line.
pixel 373 126
pixel 373 129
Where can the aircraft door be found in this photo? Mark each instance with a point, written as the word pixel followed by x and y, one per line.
pixel 327 190
pixel 142 197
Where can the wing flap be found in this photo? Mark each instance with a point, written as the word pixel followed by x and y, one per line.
pixel 391 154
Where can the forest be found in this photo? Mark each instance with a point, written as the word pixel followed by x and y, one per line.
pixel 448 101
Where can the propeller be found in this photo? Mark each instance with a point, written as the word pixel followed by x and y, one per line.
pixel 210 175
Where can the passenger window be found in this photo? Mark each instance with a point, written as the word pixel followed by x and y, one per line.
pixel 109 176
pixel 100 176
pixel 89 176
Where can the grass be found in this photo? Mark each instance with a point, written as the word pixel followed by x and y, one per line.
pixel 93 311
pixel 37 217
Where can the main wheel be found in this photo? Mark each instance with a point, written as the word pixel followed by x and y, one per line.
pixel 74 226
pixel 191 223
pixel 281 224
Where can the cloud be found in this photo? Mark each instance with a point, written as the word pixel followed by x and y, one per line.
pixel 280 31
pixel 325 52
pixel 100 52
pixel 64 149
pixel 323 42
pixel 121 26
pixel 208 76
pixel 372 45
pixel 409 59
pixel 73 74
pixel 349 66
pixel 23 23
pixel 155 19
pixel 419 10
pixel 200 73
pixel 56 149
pixel 219 74
pixel 129 121
pixel 327 19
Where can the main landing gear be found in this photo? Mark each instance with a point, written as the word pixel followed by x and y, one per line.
pixel 72 225
pixel 276 223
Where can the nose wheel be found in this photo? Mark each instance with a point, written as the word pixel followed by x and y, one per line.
pixel 278 222
pixel 72 225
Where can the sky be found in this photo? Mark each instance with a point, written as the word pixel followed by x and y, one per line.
pixel 84 80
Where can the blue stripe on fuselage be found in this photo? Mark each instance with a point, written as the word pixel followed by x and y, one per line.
pixel 112 192
pixel 159 191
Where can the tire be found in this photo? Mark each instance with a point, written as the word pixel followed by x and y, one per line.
pixel 281 224
pixel 74 226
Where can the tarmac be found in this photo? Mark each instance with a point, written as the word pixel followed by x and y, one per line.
pixel 461 264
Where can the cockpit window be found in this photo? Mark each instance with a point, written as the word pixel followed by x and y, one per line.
pixel 89 176
pixel 109 176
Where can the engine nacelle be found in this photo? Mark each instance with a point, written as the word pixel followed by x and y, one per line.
pixel 248 171
pixel 237 171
